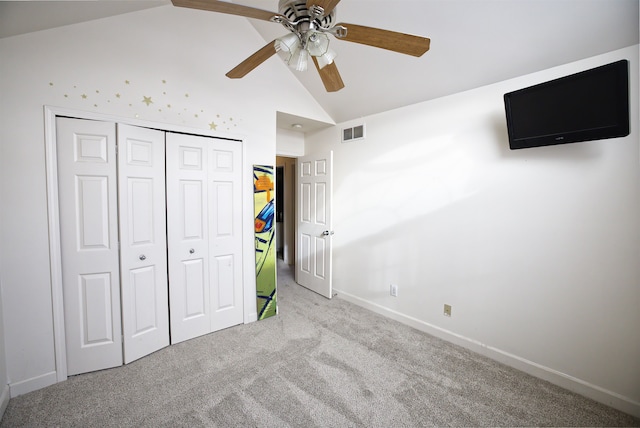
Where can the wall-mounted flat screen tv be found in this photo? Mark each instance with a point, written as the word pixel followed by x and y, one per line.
pixel 590 105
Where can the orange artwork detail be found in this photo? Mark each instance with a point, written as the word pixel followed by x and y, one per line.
pixel 264 184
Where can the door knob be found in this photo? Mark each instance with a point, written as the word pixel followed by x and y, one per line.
pixel 191 251
pixel 142 257
pixel 327 233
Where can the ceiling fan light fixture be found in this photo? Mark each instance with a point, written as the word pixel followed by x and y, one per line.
pixel 295 49
pixel 310 22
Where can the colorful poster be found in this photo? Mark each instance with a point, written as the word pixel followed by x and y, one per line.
pixel 265 227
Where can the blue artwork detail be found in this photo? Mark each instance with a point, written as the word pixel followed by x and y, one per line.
pixel 264 219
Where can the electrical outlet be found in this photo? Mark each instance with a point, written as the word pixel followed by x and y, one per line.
pixel 393 290
pixel 447 310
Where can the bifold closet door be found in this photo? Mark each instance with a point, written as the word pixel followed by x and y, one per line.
pixel 113 242
pixel 87 197
pixel 143 242
pixel 204 213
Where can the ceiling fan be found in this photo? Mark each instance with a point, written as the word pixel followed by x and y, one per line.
pixel 310 22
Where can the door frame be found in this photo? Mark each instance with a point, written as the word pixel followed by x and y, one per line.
pixel 55 254
pixel 291 190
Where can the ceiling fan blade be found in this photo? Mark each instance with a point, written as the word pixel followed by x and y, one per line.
pixel 253 61
pixel 385 39
pixel 330 76
pixel 225 7
pixel 327 5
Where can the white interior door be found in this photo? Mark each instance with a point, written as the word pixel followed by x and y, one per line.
pixel 143 246
pixel 188 236
pixel 314 234
pixel 225 232
pixel 87 198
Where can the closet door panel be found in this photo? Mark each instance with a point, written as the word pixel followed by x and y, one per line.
pixel 194 289
pixel 225 278
pixel 87 197
pixel 143 259
pixel 188 236
pixel 226 240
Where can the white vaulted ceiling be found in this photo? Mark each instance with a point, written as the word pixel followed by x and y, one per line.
pixel 473 42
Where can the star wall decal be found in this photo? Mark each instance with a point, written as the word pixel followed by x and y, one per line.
pixel 170 103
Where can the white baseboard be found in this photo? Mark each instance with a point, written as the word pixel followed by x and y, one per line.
pixel 33 384
pixel 4 400
pixel 563 380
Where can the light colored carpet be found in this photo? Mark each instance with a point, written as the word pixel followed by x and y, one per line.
pixel 324 363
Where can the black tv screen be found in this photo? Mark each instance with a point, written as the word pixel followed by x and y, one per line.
pixel 590 105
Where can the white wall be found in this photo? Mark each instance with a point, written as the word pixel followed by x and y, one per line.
pixel 537 250
pixel 171 56
pixel 4 382
pixel 289 143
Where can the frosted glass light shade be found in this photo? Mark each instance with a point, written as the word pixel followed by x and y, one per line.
pixel 317 44
pixel 299 60
pixel 327 58
pixel 286 46
pixel 289 43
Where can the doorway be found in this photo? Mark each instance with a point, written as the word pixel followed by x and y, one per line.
pixel 285 209
pixel 306 238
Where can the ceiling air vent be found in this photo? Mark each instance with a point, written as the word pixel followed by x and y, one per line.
pixel 351 134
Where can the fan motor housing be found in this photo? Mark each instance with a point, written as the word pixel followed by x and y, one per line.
pixel 297 11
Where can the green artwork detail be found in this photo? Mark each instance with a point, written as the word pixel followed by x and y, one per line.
pixel 265 227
